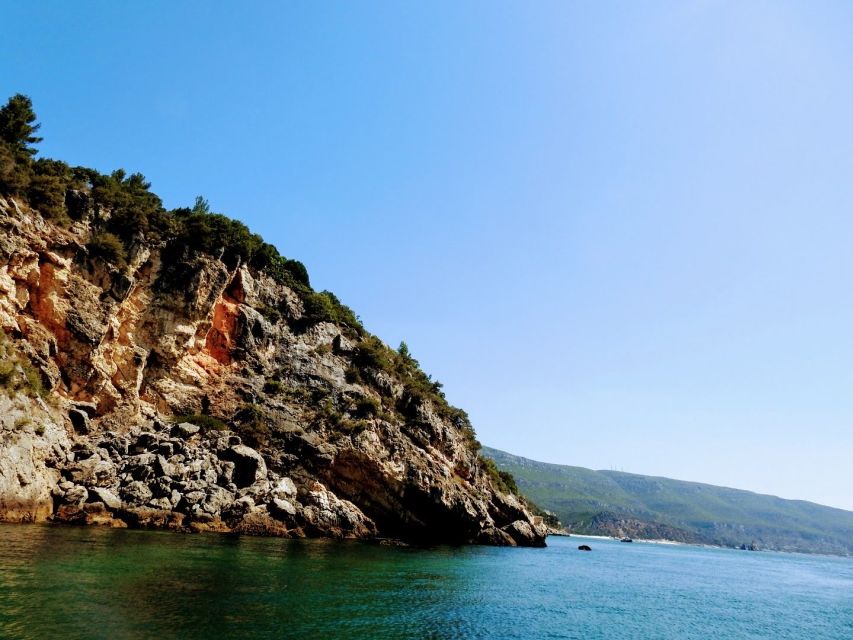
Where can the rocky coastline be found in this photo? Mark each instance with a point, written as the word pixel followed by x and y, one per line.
pixel 298 433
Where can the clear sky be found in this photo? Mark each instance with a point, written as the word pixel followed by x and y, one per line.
pixel 619 233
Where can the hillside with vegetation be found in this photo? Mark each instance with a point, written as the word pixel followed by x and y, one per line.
pixel 168 368
pixel 626 504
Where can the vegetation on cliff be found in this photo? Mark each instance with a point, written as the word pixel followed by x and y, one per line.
pixel 136 214
pixel 175 344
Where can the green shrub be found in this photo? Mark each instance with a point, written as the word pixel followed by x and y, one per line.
pixel 352 427
pixel 109 248
pixel 325 307
pixel 502 480
pixel 15 173
pixel 291 273
pixel 273 387
pixel 135 209
pixel 352 375
pixel 367 407
pixel 272 314
pixel 253 425
pixel 19 376
pixel 371 353
pixel 217 235
pixel 46 194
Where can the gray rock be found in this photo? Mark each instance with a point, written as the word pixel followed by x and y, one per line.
pixel 136 493
pixel 226 473
pixel 166 449
pixel 216 500
pixel 185 430
pixel 93 472
pixel 121 285
pixel 524 534
pixel 110 500
pixel 194 497
pixel 284 488
pixel 89 408
pixel 281 509
pixel 161 487
pixel 249 465
pixel 145 442
pixel 163 467
pixel 160 503
pixel 76 495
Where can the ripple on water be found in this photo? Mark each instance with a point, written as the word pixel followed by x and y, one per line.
pixel 81 583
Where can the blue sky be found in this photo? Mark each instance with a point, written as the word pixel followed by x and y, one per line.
pixel 619 233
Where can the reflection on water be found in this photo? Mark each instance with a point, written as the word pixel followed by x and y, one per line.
pixel 101 583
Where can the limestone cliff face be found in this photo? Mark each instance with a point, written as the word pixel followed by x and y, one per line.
pixel 121 353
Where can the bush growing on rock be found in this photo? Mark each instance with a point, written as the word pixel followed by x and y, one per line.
pixel 372 353
pixel 109 248
pixel 18 376
pixel 273 387
pixel 325 307
pixel 252 424
pixel 367 407
pixel 503 480
pixel 47 194
pixel 14 175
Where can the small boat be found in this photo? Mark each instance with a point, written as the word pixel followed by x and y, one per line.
pixel 626 539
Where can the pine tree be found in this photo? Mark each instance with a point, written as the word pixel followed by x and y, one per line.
pixel 18 125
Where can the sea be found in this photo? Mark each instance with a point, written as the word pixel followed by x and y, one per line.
pixel 66 582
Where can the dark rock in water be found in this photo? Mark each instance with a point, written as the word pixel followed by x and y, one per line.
pixel 584 547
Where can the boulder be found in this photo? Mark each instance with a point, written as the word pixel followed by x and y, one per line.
pixel 524 534
pixel 249 465
pixel 136 493
pixel 284 488
pixel 185 430
pixel 110 499
pixel 76 496
pixel 282 509
pixel 216 500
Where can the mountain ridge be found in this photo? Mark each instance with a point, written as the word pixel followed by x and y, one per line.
pixel 619 503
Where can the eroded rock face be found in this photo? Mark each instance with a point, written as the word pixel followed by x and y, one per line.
pixel 29 441
pixel 300 445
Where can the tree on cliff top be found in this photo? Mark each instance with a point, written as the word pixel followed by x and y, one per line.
pixel 18 125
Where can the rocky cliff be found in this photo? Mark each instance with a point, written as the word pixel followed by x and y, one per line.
pixel 183 390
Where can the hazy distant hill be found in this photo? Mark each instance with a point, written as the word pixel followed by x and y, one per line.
pixel 615 503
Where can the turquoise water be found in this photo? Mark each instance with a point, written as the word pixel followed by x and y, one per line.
pixel 96 583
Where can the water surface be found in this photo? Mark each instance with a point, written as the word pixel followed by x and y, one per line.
pixel 99 583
